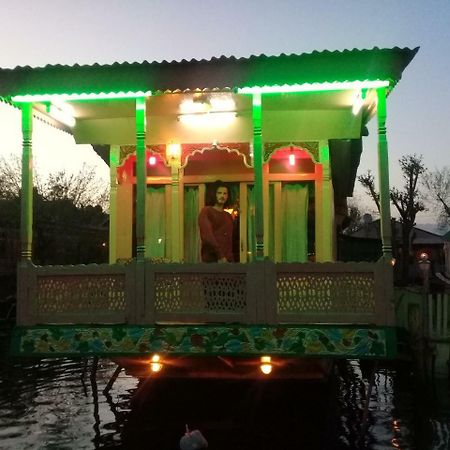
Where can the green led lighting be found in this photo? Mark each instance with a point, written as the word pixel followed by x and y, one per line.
pixel 312 87
pixel 85 96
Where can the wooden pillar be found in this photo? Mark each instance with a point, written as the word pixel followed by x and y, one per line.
pixel 266 203
pixel 324 206
pixel 141 178
pixel 176 207
pixel 26 217
pixel 114 157
pixel 258 174
pixel 383 174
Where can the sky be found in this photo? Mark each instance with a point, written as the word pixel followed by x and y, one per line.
pixel 37 33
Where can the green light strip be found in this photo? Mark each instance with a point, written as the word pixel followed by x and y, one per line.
pixel 313 87
pixel 84 96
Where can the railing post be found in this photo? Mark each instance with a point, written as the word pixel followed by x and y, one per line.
pixel 26 294
pixel 150 293
pixel 270 294
pixel 383 293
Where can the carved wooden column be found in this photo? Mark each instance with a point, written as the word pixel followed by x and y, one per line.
pixel 324 207
pixel 26 218
pixel 175 213
pixel 258 174
pixel 141 178
pixel 173 156
pixel 383 173
pixel 114 157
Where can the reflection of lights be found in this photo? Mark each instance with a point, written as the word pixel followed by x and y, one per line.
pixel 222 103
pixel 173 153
pixel 266 366
pixel 202 103
pixel 152 160
pixel 393 262
pixel 358 102
pixel 155 364
pixel 207 110
pixel 160 240
pixel 210 119
pixel 62 115
pixel 103 244
pixel 292 159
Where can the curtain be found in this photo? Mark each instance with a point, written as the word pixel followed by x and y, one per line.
pixel 191 231
pixel 271 249
pixel 294 199
pixel 251 240
pixel 155 236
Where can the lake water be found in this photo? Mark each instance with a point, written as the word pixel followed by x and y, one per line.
pixel 53 404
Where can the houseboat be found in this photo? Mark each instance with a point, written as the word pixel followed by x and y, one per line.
pixel 284 134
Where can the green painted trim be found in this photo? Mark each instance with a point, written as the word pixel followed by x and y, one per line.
pixel 30 98
pixel 207 340
pixel 314 87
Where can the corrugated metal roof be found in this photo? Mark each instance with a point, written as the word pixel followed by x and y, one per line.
pixel 216 73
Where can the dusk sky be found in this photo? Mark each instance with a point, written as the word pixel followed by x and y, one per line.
pixel 37 33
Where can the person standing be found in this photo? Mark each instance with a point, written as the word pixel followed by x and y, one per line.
pixel 216 227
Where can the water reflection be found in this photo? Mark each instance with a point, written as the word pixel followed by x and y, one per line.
pixel 55 404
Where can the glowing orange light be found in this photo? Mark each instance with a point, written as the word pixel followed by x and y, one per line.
pixel 266 366
pixel 424 256
pixel 173 150
pixel 156 365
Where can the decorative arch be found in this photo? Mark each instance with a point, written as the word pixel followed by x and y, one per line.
pixel 242 149
pixel 127 151
pixel 312 148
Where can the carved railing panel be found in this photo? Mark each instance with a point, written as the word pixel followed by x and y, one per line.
pixel 199 293
pixel 326 293
pixel 262 292
pixel 80 293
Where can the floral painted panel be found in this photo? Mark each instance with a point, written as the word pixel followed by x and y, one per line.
pixel 211 340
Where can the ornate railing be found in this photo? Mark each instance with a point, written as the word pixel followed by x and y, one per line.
pixel 264 293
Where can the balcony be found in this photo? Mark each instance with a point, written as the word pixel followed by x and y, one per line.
pixel 192 294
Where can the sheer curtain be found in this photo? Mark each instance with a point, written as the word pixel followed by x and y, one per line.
pixel 191 231
pixel 155 236
pixel 251 240
pixel 294 198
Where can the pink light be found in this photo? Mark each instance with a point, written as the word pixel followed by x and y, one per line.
pixel 292 159
pixel 152 160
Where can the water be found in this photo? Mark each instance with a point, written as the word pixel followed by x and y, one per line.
pixel 53 404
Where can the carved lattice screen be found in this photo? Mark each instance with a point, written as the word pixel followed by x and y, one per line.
pixel 200 293
pixel 80 293
pixel 326 292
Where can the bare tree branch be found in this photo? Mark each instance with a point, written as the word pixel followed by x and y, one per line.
pixel 367 180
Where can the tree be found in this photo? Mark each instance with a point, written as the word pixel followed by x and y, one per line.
pixel 82 189
pixel 10 177
pixel 69 220
pixel 407 201
pixel 437 184
pixel 367 180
